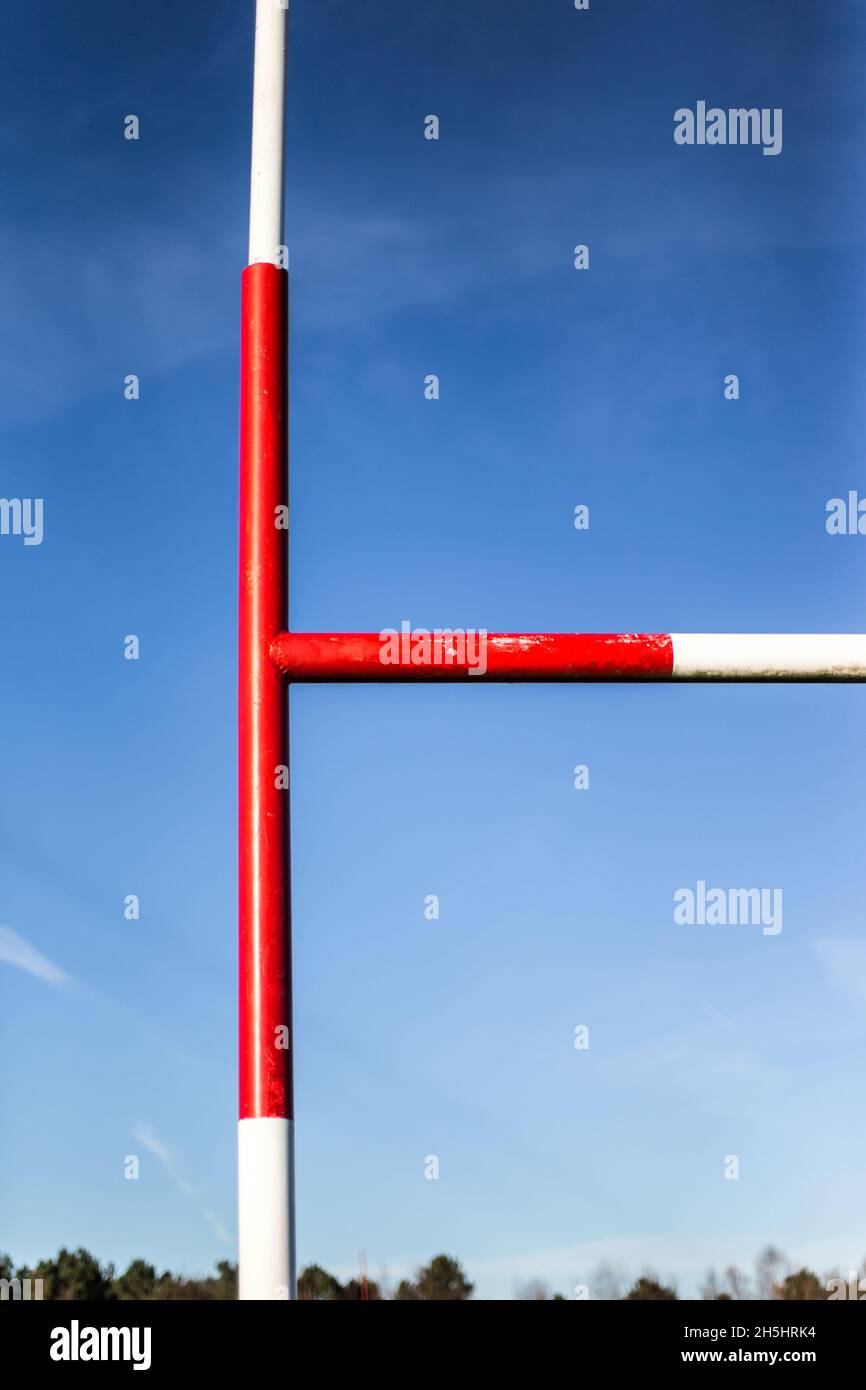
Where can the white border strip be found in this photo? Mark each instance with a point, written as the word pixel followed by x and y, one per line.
pixel 269 85
pixel 266 1218
pixel 768 656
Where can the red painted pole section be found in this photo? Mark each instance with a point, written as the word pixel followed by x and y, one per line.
pixel 264 886
pixel 558 656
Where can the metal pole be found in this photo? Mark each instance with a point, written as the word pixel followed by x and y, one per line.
pixel 265 1129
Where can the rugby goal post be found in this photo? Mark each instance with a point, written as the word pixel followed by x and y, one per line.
pixel 271 657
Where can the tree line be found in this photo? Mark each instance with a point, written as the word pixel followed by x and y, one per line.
pixel 76 1275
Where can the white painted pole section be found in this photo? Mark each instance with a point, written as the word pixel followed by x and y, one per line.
pixel 784 656
pixel 266 1258
pixel 266 177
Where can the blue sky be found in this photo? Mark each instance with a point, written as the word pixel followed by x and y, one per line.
pixel 558 387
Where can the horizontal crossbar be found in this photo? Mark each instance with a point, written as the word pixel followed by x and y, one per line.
pixel 455 655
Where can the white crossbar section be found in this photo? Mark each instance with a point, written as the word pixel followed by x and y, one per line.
pixel 769 656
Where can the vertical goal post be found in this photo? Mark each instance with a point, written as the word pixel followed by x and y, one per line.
pixel 271 657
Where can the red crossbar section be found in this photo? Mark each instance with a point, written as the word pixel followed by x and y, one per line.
pixel 265 957
pixel 557 656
